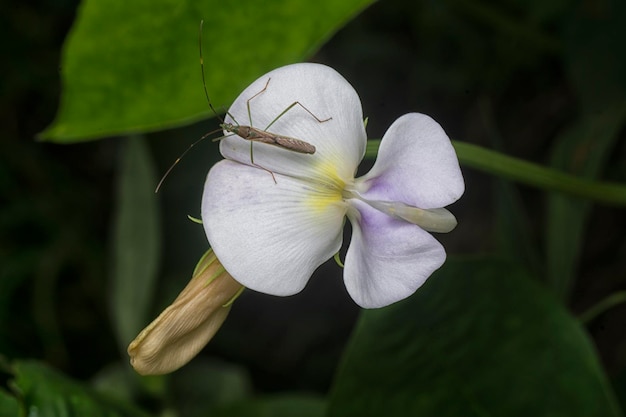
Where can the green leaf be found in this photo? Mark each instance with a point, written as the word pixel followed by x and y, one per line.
pixel 45 392
pixel 9 407
pixel 116 379
pixel 512 226
pixel 133 66
pixel 619 385
pixel 582 150
pixel 207 384
pixel 513 232
pixel 286 405
pixel 480 338
pixel 136 241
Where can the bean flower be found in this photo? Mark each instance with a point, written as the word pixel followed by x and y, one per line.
pixel 273 216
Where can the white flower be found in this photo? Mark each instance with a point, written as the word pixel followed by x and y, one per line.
pixel 271 235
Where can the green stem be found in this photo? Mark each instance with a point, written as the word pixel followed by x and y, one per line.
pixel 604 305
pixel 529 173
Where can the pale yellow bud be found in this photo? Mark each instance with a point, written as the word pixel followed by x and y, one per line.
pixel 186 326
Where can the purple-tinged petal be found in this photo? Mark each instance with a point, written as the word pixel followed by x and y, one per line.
pixel 269 236
pixel 416 165
pixel 388 259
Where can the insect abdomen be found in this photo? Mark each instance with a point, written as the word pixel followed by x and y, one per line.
pixel 295 145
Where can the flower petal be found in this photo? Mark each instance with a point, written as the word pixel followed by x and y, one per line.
pixel 416 165
pixel 339 142
pixel 269 236
pixel 388 259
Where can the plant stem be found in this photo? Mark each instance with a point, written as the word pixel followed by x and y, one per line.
pixel 604 305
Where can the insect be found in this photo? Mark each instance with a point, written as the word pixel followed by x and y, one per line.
pixel 250 133
pixel 254 134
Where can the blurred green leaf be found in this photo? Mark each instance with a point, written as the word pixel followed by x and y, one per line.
pixel 117 380
pixel 133 66
pixel 543 12
pixel 619 385
pixel 136 241
pixel 9 406
pixel 513 229
pixel 120 381
pixel 13 273
pixel 582 150
pixel 508 24
pixel 207 384
pixel 594 53
pixel 286 405
pixel 45 392
pixel 513 235
pixel 479 339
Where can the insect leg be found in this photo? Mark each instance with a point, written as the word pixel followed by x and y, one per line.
pixel 291 106
pixel 248 101
pixel 259 166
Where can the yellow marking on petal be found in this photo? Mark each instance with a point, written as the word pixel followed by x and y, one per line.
pixel 327 189
pixel 327 194
pixel 332 179
pixel 320 202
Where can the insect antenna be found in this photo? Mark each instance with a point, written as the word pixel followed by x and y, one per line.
pixel 158 187
pixel 206 94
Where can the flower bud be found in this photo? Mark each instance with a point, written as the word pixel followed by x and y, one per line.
pixel 187 325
